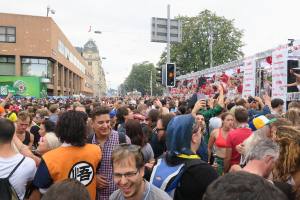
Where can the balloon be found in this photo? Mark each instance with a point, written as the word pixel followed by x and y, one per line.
pixel 269 60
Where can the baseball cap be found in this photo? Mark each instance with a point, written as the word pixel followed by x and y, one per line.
pixel 112 113
pixel 12 117
pixel 260 122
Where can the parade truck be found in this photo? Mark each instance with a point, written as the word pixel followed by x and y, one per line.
pixel 274 72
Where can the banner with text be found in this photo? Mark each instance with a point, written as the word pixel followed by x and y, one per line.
pixel 249 77
pixel 279 72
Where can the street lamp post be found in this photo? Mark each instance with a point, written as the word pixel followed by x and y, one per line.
pixel 210 50
pixel 150 82
pixel 52 11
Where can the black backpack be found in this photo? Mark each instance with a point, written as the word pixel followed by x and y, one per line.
pixel 7 191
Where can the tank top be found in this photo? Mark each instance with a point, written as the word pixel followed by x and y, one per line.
pixel 26 140
pixel 220 141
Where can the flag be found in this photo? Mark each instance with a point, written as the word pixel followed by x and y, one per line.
pixel 90 29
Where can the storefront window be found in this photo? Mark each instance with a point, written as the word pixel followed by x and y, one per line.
pixel 7 65
pixel 37 67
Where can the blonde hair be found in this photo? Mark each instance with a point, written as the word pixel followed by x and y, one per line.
pixel 293 114
pixel 52 141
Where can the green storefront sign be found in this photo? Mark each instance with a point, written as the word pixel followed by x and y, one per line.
pixel 23 86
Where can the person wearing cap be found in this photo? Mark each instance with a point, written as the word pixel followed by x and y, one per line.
pixel 113 117
pixel 253 106
pixel 262 130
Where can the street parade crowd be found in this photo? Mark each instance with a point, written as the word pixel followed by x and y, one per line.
pixel 203 146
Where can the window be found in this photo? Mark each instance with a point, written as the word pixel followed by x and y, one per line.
pixel 69 56
pixel 37 67
pixel 90 63
pixel 7 34
pixel 7 65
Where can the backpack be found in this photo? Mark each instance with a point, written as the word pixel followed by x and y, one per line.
pixel 7 192
pixel 167 178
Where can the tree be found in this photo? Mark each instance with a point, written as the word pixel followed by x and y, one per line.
pixel 139 79
pixel 193 53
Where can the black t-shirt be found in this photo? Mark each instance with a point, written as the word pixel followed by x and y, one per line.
pixel 35 131
pixel 194 182
pixel 286 188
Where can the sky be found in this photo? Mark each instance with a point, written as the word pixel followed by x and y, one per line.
pixel 125 25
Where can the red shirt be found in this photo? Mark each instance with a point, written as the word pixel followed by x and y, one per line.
pixel 234 138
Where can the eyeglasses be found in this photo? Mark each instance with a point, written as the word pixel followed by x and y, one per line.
pixel 118 176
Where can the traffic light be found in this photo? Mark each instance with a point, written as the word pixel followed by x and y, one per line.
pixel 159 75
pixel 171 74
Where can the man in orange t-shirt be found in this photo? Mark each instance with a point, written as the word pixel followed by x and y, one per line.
pixel 74 159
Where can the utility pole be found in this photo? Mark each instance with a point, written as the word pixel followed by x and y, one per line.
pixel 151 83
pixel 211 34
pixel 168 34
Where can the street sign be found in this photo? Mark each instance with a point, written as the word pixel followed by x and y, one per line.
pixel 159 30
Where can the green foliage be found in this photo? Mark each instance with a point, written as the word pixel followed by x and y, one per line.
pixel 193 53
pixel 139 79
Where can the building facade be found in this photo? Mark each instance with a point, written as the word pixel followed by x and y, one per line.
pixel 34 46
pixel 91 55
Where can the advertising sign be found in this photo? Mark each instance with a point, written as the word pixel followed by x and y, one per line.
pixel 22 86
pixel 279 73
pixel 249 77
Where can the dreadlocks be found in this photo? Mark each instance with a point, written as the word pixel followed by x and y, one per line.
pixel 288 162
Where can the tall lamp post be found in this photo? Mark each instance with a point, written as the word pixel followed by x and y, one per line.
pixel 150 82
pixel 49 10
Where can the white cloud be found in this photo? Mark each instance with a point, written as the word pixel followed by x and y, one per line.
pixel 126 25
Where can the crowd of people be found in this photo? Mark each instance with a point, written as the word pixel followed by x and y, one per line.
pixel 138 148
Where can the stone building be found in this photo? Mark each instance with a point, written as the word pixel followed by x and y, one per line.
pixel 91 55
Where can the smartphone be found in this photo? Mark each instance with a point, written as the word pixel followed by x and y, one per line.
pixel 201 96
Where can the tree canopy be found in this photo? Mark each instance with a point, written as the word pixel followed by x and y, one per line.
pixel 193 53
pixel 139 79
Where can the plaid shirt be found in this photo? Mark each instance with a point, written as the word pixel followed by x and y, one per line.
pixel 106 164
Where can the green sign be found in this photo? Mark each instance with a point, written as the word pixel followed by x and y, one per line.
pixel 23 86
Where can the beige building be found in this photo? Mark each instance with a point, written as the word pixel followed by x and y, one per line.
pixel 36 46
pixel 90 53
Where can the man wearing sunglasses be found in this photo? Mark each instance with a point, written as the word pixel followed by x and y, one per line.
pixel 128 172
